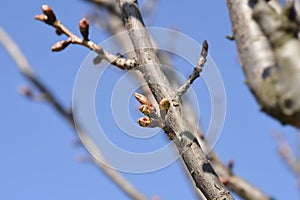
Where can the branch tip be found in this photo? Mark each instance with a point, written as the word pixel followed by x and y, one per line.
pixel 196 73
pixel 204 48
pixel 84 28
pixel 47 10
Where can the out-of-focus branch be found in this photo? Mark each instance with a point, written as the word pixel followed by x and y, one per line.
pixel 290 159
pixel 96 155
pixel 27 72
pixel 269 54
pixel 235 183
pixel 109 5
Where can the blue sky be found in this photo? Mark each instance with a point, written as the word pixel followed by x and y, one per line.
pixel 38 158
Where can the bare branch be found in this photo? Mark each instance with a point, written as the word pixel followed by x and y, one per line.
pixel 96 155
pixel 196 73
pixel 49 18
pixel 238 185
pixel 177 128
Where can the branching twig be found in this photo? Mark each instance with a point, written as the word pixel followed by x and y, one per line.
pixel 235 183
pixel 96 155
pixel 196 73
pixel 49 18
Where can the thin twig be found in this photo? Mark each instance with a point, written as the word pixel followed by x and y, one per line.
pixel 49 18
pixel 24 67
pixel 196 73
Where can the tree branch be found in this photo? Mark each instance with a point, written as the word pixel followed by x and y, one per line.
pixel 288 156
pixel 49 18
pixel 96 155
pixel 235 183
pixel 199 167
pixel 196 73
pixel 269 57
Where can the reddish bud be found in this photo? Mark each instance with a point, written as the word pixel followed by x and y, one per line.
pixel 84 28
pixel 144 121
pixel 58 46
pixel 142 99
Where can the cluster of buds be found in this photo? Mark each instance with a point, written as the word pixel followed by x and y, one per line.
pixel 48 17
pixel 147 109
pixel 152 119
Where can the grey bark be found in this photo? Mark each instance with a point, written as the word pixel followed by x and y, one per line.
pixel 198 165
pixel 269 54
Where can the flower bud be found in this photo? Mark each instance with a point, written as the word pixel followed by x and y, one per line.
pixel 47 10
pixel 145 109
pixel 142 99
pixel 144 121
pixel 84 28
pixel 41 17
pixel 58 46
pixel 164 104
